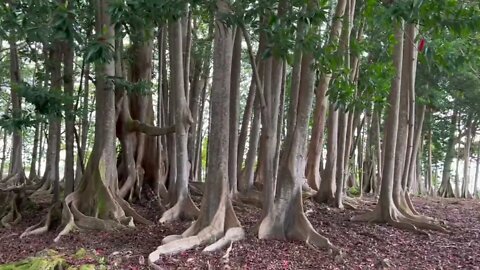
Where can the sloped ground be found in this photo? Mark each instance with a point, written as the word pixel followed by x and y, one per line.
pixel 365 246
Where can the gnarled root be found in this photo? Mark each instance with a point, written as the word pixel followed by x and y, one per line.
pixel 288 221
pixel 397 219
pixel 94 207
pixel 196 188
pixel 14 179
pixel 12 198
pixel 184 209
pixel 223 229
pixel 53 218
pixel 251 197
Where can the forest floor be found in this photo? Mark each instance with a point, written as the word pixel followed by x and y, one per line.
pixel 365 246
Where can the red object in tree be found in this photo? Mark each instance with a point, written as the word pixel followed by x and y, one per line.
pixel 421 45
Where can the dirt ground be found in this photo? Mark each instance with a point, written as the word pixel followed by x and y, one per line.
pixel 365 246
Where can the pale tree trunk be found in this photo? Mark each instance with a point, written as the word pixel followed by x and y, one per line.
pixel 411 172
pixel 95 205
pixel 16 173
pixel 32 176
pixel 477 170
pixel 286 219
pixel 466 157
pixel 242 137
pixel 368 163
pixel 403 119
pixel 246 182
pixel 40 148
pixel 326 192
pixel 51 176
pixel 184 208
pixel 217 225
pixel 344 123
pixel 388 210
pixel 316 142
pixel 457 174
pixel 428 183
pixel 234 111
pixel 4 153
pixel 69 119
pixel 446 189
pixel 341 141
pixel 85 124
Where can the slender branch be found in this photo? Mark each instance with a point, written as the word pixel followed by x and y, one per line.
pixel 254 67
pixel 135 125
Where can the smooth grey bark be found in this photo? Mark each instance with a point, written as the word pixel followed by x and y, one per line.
pixel 16 167
pixel 234 110
pixel 68 81
pixel 446 189
pixel 182 204
pixel 33 163
pixel 477 171
pixel 466 156
pixel 4 154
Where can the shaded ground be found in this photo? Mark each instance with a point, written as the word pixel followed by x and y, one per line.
pixel 366 246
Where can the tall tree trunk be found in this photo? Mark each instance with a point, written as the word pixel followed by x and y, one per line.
pixel 316 142
pixel 95 204
pixel 85 124
pixel 429 180
pixel 184 207
pixel 326 192
pixel 388 209
pixel 234 111
pixel 466 157
pixel 4 154
pixel 416 145
pixel 69 120
pixel 40 150
pixel 51 174
pixel 477 170
pixel 16 173
pixel 286 219
pixel 32 176
pixel 446 189
pixel 217 225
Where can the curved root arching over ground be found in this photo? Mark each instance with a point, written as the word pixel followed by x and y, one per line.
pixel 402 217
pixel 94 206
pixel 223 229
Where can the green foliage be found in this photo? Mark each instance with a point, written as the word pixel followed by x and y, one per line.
pixel 142 87
pixel 11 123
pixel 99 51
pixel 47 103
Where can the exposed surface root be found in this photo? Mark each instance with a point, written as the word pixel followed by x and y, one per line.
pixel 52 219
pixel 9 211
pixel 15 179
pixel 94 207
pixel 252 197
pixel 196 188
pixel 288 221
pixel 184 209
pixel 223 229
pixel 398 219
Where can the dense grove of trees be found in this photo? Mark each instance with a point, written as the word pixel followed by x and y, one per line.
pixel 265 102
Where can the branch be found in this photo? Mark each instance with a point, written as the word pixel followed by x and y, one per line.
pixel 135 125
pixel 254 68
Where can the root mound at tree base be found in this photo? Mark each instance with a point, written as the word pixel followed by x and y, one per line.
pixel 399 219
pixel 222 230
pixel 94 207
pixel 184 209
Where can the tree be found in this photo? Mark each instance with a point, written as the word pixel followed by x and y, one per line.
pixel 217 224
